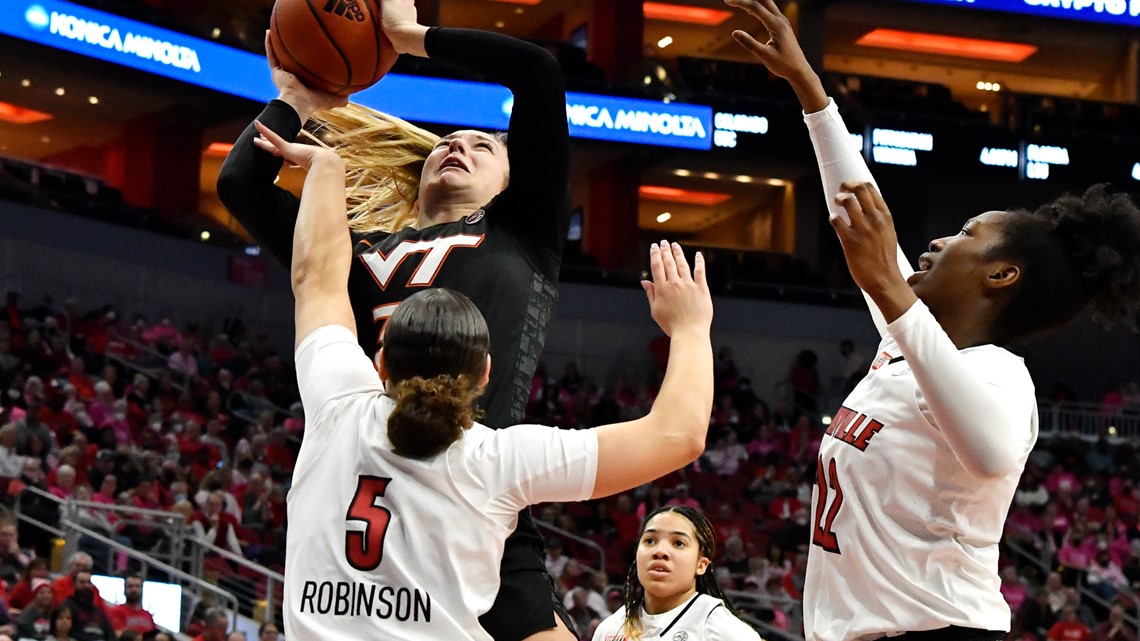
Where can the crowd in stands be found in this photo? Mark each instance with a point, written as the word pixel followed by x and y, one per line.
pixel 146 415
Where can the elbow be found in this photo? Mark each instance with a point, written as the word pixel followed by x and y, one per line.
pixel 994 469
pixel 230 188
pixel 694 447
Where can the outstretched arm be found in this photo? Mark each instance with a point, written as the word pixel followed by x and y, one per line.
pixel 838 159
pixel 673 434
pixel 246 181
pixel 322 246
pixel 538 137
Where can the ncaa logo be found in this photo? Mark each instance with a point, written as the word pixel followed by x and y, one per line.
pixel 37 17
pixel 475 217
pixel 681 636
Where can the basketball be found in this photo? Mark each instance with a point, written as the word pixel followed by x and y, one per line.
pixel 335 46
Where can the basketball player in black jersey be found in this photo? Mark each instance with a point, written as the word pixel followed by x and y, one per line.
pixel 488 221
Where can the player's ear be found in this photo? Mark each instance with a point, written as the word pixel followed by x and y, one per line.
pixel 486 377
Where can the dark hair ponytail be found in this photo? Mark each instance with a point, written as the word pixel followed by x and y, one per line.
pixel 1076 252
pixel 435 351
pixel 430 414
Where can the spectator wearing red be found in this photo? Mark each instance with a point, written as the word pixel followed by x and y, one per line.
pixel 130 614
pixel 1068 628
pixel 683 498
pixel 217 526
pixel 1012 588
pixel 35 575
pixel 64 586
pixel 203 458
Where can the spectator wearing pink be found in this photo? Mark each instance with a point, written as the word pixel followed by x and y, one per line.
pixel 184 361
pixel 1022 524
pixel 106 494
pixel 1060 479
pixel 1078 550
pixel 102 409
pixel 163 334
pixel 1053 518
pixel 64 484
pixel 117 422
pixel 767 441
pixel 1012 588
pixel 683 499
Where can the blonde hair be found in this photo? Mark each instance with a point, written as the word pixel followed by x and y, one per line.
pixel 384 157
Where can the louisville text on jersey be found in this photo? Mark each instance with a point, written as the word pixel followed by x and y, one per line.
pixel 345 598
pixel 846 425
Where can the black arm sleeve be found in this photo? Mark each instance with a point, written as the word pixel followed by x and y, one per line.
pixel 245 185
pixel 535 202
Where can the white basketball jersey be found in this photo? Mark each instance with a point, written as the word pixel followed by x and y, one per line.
pixel 385 547
pixel 904 538
pixel 702 618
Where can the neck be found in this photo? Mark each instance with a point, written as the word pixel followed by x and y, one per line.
pixel 448 210
pixel 654 605
pixel 967 325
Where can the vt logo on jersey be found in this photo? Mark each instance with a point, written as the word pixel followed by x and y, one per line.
pixel 384 267
pixel 845 427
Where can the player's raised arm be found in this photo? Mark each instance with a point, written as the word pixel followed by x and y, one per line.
pixel 539 140
pixel 246 181
pixel 673 434
pixel 322 246
pixel 839 160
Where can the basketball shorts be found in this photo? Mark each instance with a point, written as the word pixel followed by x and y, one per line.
pixel 527 602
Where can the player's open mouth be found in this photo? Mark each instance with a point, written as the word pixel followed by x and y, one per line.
pixel 451 162
pixel 658 569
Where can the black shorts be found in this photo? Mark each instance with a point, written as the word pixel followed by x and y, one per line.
pixel 527 602
pixel 952 633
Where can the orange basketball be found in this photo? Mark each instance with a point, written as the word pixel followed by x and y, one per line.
pixel 336 46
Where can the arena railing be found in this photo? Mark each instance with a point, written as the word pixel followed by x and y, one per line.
pixel 1088 421
pixel 199 590
pixel 566 534
pixel 258 589
pixel 748 604
pixel 1044 565
pixel 172 524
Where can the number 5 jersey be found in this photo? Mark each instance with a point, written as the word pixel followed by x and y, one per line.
pixel 385 547
pixel 904 536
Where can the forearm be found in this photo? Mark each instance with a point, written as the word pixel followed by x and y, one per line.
pixel 246 184
pixel 322 246
pixel 684 403
pixel 839 160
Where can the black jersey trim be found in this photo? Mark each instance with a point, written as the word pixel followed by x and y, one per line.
pixel 678 617
pixel 896 360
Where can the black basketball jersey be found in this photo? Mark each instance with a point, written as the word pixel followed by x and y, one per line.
pixel 504 256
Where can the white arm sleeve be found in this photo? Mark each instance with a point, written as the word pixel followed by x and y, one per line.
pixel 839 160
pixel 536 464
pixel 331 364
pixel 983 402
